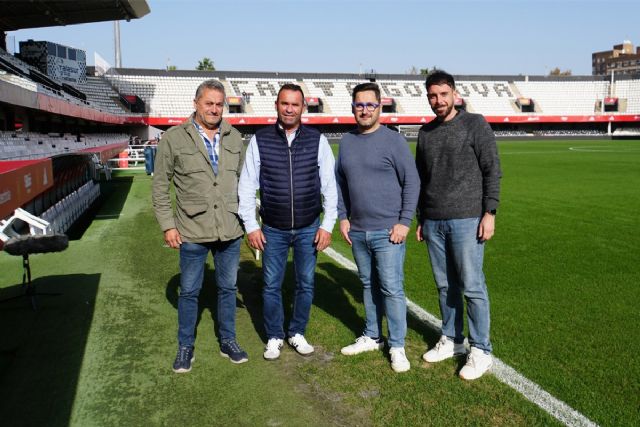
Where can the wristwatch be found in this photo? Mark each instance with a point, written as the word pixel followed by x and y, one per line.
pixel 492 212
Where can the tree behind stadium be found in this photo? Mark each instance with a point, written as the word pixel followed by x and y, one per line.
pixel 205 64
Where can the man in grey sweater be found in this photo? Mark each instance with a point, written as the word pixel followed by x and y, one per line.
pixel 377 195
pixel 459 170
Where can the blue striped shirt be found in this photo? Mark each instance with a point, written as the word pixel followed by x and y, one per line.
pixel 212 148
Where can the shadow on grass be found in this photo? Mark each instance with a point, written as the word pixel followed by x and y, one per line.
pixel 113 195
pixel 41 352
pixel 330 296
pixel 249 287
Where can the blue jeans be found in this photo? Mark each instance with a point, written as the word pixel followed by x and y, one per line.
pixel 226 259
pixel 380 267
pixel 274 263
pixel 456 257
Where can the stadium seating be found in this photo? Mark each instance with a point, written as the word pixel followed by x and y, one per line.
pixel 170 94
pixel 260 92
pixel 18 81
pixel 165 96
pixel 32 145
pixel 101 95
pixel 564 97
pixel 629 90
pixel 335 94
pixel 66 211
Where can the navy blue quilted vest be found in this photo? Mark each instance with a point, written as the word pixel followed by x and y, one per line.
pixel 289 177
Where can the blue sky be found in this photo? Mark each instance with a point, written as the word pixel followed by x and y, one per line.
pixel 388 36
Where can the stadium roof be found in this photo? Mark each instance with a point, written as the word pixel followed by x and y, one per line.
pixel 19 14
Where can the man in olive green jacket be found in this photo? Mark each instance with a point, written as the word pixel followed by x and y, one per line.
pixel 203 157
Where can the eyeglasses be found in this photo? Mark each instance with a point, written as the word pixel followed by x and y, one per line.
pixel 370 106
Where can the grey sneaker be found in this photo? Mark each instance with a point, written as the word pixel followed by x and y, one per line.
pixel 184 359
pixel 232 350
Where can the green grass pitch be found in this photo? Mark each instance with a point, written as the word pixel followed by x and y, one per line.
pixel 562 272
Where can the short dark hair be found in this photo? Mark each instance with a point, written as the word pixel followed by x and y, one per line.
pixel 439 77
pixel 290 86
pixel 363 87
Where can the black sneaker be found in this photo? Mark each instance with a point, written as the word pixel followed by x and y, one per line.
pixel 232 350
pixel 183 361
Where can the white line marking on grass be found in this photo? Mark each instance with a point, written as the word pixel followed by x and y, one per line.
pixel 503 372
pixel 605 149
pixel 511 153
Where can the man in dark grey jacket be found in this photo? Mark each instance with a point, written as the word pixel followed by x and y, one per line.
pixel 459 169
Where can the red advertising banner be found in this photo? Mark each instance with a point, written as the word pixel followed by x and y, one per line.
pixel 21 181
pixel 234 100
pixel 311 101
pixel 410 120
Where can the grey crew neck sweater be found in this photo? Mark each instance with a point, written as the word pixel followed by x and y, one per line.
pixel 459 168
pixel 378 184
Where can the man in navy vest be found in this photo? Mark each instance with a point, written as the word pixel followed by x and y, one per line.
pixel 293 167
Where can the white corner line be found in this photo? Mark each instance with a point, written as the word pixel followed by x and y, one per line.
pixel 503 372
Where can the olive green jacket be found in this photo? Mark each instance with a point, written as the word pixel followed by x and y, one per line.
pixel 206 204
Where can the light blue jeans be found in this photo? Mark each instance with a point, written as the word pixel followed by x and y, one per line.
pixel 274 264
pixel 456 257
pixel 380 267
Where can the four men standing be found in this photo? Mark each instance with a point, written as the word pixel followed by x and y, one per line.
pixel 292 166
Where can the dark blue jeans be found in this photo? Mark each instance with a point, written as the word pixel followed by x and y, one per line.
pixel 226 259
pixel 274 263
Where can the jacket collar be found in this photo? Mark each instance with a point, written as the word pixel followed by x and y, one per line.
pixel 225 127
pixel 280 130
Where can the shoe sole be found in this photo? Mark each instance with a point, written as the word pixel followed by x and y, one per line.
pixel 234 361
pixel 347 353
pixel 401 370
pixel 443 358
pixel 182 370
pixel 475 378
pixel 271 359
pixel 303 354
pixel 299 352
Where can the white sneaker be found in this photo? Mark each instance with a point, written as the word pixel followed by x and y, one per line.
pixel 444 349
pixel 362 344
pixel 478 362
pixel 300 344
pixel 399 361
pixel 272 350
